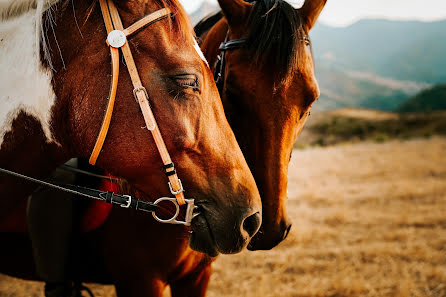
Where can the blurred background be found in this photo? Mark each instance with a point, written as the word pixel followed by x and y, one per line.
pixel 367 180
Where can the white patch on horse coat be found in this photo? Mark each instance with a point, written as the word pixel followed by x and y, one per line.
pixel 200 53
pixel 24 84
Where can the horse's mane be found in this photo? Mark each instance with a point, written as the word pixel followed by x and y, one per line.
pixel 12 8
pixel 277 32
pixel 180 20
pixel 207 23
pixel 45 18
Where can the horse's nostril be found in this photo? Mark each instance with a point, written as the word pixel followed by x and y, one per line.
pixel 287 231
pixel 252 223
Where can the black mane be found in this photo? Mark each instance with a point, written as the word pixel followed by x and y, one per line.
pixel 277 33
pixel 207 23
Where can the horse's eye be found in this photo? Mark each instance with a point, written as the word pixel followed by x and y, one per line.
pixel 186 81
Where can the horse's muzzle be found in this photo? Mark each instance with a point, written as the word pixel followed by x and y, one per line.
pixel 266 239
pixel 214 232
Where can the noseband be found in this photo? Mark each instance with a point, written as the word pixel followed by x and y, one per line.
pixel 117 39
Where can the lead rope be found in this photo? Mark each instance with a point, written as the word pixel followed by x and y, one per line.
pixel 117 39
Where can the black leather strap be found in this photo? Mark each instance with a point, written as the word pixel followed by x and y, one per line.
pixel 232 44
pixel 167 166
pixel 169 169
pixel 169 173
pixel 109 197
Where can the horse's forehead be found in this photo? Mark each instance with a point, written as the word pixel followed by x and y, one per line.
pixel 175 51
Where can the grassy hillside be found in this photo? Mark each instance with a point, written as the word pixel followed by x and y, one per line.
pixel 428 100
pixel 340 89
pixel 354 125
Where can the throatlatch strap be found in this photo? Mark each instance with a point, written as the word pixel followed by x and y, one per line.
pixel 113 22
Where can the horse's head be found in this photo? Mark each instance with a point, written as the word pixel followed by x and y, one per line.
pixel 269 86
pixel 186 105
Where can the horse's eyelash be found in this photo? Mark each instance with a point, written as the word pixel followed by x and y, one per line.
pixel 191 84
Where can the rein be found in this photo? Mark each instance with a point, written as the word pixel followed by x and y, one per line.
pixel 125 201
pixel 117 39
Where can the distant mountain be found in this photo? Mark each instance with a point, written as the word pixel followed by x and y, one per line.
pixel 341 88
pixel 431 99
pixel 403 50
pixel 377 63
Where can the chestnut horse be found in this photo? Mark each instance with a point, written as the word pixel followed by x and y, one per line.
pixel 267 89
pixel 52 108
pixel 266 121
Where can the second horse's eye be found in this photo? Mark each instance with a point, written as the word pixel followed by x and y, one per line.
pixel 186 81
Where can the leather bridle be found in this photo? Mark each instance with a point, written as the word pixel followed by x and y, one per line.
pixel 117 39
pixel 219 69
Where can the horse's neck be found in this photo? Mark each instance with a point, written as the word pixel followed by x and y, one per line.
pixel 25 83
pixel 26 99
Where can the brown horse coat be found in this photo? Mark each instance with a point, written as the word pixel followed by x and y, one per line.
pixel 55 111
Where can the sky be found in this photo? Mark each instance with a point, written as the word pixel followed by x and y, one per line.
pixel 345 12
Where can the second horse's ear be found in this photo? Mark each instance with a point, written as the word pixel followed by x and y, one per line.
pixel 235 11
pixel 310 11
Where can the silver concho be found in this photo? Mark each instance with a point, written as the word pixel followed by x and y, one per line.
pixel 116 38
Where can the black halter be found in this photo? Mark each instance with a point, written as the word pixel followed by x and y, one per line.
pixel 220 64
pixel 227 45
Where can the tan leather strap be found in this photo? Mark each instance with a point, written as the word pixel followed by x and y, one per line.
pixel 114 52
pixel 147 20
pixel 113 22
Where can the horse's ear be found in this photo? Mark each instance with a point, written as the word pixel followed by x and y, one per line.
pixel 235 10
pixel 310 12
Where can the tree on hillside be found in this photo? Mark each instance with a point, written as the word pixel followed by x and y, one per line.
pixel 427 100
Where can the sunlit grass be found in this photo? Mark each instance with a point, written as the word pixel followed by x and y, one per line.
pixel 369 220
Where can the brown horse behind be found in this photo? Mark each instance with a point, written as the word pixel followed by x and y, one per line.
pixel 267 91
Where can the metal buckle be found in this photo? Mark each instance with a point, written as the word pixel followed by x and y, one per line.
pixel 140 88
pixel 189 212
pixel 129 201
pixel 135 91
pixel 176 192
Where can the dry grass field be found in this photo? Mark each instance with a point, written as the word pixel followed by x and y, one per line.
pixel 369 220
